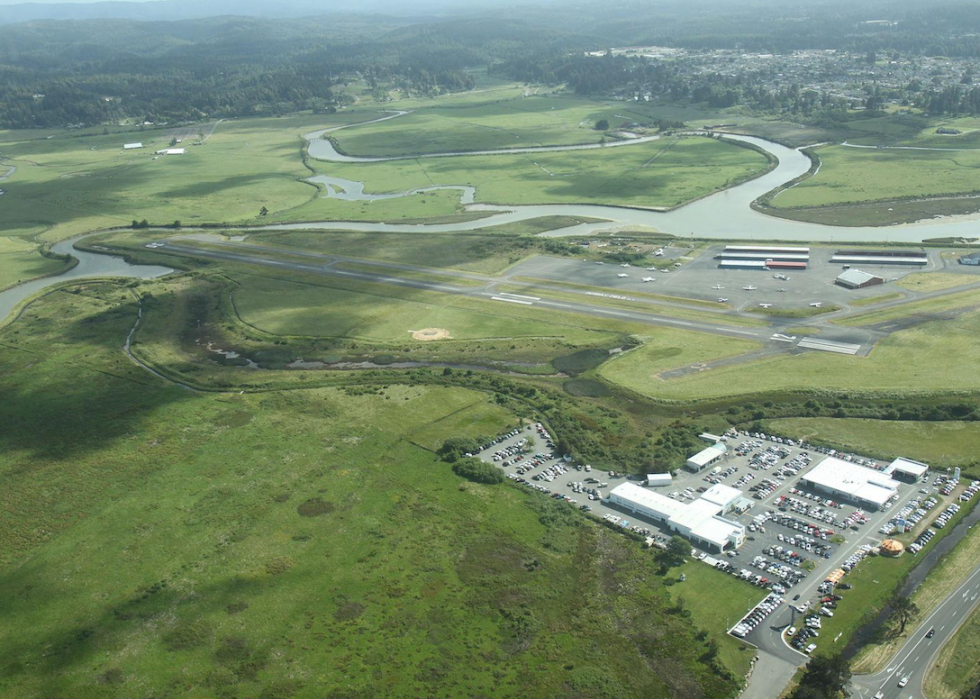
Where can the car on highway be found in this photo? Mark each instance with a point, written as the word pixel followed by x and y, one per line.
pixel 904 681
pixel 931 633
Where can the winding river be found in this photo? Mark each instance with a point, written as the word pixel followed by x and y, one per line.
pixel 89 265
pixel 724 215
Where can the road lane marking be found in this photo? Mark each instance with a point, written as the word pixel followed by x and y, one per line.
pixel 501 298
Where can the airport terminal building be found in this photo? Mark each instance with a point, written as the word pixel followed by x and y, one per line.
pixel 699 521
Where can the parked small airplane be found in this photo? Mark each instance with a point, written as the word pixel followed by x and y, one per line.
pixel 717 286
pixel 622 275
pixel 659 253
pixel 649 279
pixel 817 304
pixel 782 277
pixel 625 264
pixel 781 290
pixel 722 300
pixel 651 269
pixel 765 305
pixel 749 288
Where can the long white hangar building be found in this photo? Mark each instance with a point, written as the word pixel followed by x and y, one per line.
pixel 700 521
pixel 851 483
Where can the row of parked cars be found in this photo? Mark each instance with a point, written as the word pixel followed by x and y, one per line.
pixel 905 519
pixel 802 507
pixel 764 488
pixel 789 576
pixel 797 524
pixel 970 492
pixel 755 617
pixel 943 519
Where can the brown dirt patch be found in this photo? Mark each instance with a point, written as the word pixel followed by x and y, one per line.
pixel 429 334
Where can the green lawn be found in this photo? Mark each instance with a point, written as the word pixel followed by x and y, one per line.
pixel 936 281
pixel 163 542
pixel 935 357
pixel 855 175
pixel 936 443
pixel 685 168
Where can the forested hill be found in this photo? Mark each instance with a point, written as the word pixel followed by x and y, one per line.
pixel 93 71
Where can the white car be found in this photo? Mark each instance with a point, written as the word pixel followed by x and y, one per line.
pixel 904 681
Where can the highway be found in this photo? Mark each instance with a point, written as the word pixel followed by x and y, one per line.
pixel 919 654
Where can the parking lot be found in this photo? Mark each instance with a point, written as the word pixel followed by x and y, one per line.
pixel 795 537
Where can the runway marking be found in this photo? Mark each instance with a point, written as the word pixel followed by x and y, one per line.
pixel 519 296
pixel 829 346
pixel 523 303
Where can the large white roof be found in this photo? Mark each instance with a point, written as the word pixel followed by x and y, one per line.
pixel 852 480
pixel 904 465
pixel 717 530
pixel 661 504
pixel 695 514
pixel 709 454
pixel 721 494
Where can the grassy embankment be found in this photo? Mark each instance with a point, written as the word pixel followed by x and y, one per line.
pixel 21 261
pixel 296 543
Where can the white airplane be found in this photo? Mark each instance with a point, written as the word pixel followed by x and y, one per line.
pixel 722 300
pixel 621 276
pixel 749 288
pixel 717 286
pixel 817 304
pixel 649 279
pixel 781 291
pixel 651 269
pixel 765 305
pixel 783 277
pixel 659 253
pixel 600 262
pixel 625 264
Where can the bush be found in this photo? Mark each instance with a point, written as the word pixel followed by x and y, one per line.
pixel 453 448
pixel 472 469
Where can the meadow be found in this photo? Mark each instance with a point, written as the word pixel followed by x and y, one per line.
pixel 935 357
pixel 940 444
pixel 859 175
pixel 295 544
pixel 949 302
pixel 659 174
pixel 21 261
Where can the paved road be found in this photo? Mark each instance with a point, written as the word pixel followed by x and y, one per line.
pixel 920 653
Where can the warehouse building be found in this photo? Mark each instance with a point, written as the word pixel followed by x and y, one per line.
pixel 743 264
pixel 856 279
pixel 658 480
pixel 700 521
pixel 907 470
pixel 132 146
pixel 706 457
pixel 770 257
pixel 845 481
pixel 972 259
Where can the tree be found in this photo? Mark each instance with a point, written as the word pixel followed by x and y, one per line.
pixel 454 448
pixel 825 678
pixel 175 224
pixel 173 141
pixel 473 469
pixel 903 609
pixel 677 550
pixel 602 125
pixel 263 211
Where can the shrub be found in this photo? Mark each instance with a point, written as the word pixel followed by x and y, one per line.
pixel 473 469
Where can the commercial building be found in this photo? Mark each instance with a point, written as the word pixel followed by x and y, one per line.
pixel 856 279
pixel 700 521
pixel 972 259
pixel 907 470
pixel 658 480
pixel 706 457
pixel 842 480
pixel 763 257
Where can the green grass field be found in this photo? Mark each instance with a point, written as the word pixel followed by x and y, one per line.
pixel 939 444
pixel 389 314
pixel 512 123
pixel 21 261
pixel 935 357
pixel 69 185
pixel 949 302
pixel 159 541
pixel 936 281
pixel 684 169
pixel 857 175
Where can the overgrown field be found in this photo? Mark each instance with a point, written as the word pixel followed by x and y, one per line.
pixel 21 261
pixel 160 541
pixel 940 444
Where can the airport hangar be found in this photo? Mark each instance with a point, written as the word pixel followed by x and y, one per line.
pixel 699 521
pixel 849 482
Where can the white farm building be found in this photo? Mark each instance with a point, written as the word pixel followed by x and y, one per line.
pixel 846 481
pixel 706 457
pixel 700 521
